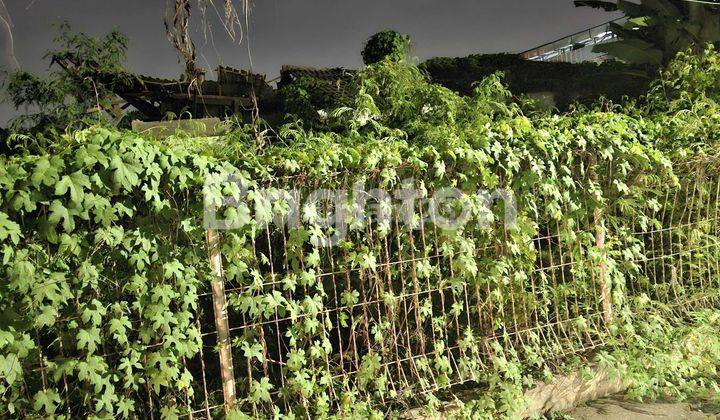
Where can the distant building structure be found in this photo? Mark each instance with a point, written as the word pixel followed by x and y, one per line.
pixel 235 92
pixel 556 74
pixel 575 48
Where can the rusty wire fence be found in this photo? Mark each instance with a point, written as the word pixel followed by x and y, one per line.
pixel 680 242
pixel 394 316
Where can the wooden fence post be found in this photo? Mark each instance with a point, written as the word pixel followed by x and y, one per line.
pixel 221 319
pixel 605 289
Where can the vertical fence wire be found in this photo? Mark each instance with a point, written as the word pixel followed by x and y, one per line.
pixel 392 315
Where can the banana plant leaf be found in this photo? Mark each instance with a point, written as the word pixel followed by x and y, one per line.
pixel 663 7
pixel 634 10
pixel 626 31
pixel 634 51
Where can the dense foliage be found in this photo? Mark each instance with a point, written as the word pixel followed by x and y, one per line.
pixel 102 251
pixel 307 98
pixel 570 83
pixel 101 272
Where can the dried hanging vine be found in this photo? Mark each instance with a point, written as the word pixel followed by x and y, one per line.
pixel 177 26
pixel 177 22
pixel 6 26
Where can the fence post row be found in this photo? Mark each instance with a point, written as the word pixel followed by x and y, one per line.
pixel 221 310
pixel 227 374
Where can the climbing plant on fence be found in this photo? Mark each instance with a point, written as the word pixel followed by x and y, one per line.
pixel 103 258
pixel 107 306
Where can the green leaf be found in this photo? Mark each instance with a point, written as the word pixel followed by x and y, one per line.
pixel 236 414
pixel 24 201
pixel 125 175
pixel 88 339
pixel 59 212
pixel 118 329
pixel 93 313
pixel 350 298
pixel 125 407
pixel 9 229
pixel 75 183
pixel 173 268
pixel 46 318
pixel 47 171
pixel 10 368
pixel 47 400
pixel 260 391
pixel 254 351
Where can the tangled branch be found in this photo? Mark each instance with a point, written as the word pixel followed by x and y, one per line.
pixel 6 26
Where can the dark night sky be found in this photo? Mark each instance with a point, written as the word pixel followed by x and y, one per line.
pixel 304 32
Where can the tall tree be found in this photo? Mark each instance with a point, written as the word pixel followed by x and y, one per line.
pixel 386 44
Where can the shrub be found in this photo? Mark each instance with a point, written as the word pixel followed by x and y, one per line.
pixel 386 44
pixel 78 90
pixel 308 98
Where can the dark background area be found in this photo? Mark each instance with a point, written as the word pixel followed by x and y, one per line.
pixel 303 32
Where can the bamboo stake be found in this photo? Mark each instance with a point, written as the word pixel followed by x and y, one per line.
pixel 221 319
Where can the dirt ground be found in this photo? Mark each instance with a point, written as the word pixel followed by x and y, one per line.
pixel 618 409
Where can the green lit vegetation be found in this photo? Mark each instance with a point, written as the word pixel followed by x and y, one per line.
pixel 104 300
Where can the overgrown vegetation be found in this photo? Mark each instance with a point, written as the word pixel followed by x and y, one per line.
pixel 308 98
pixel 106 271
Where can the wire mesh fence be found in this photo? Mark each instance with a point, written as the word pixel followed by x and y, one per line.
pixel 398 310
pixel 394 316
pixel 680 263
